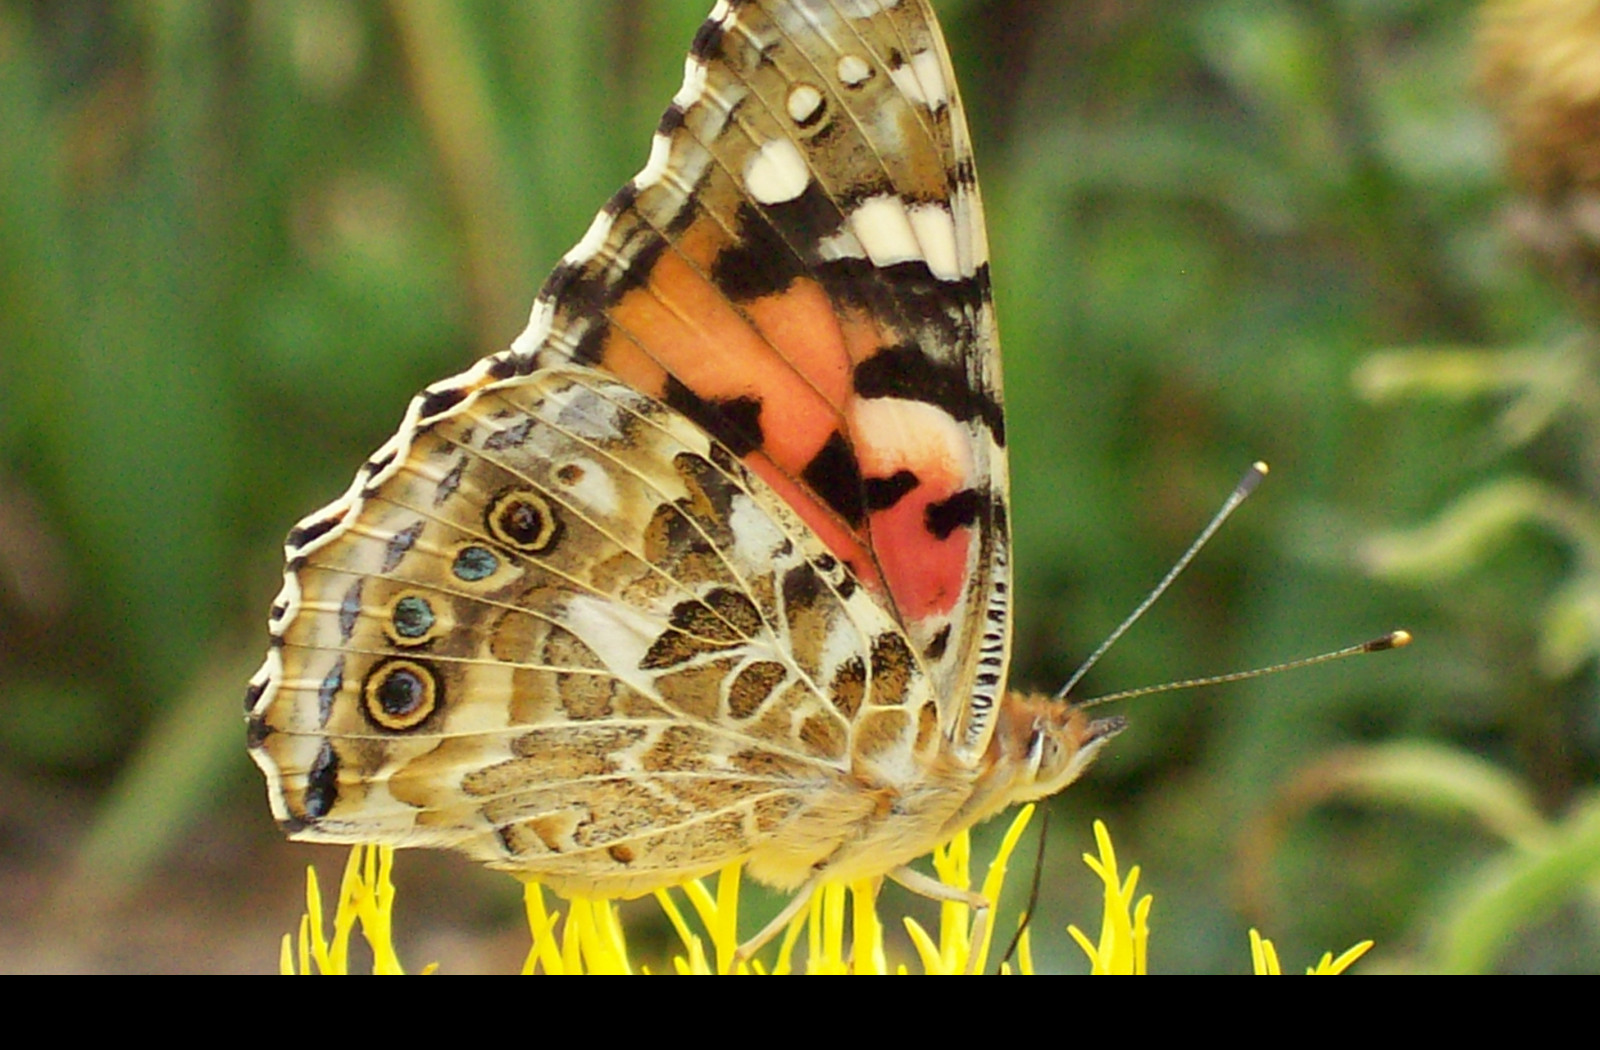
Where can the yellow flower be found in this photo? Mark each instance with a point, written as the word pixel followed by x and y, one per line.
pixel 366 895
pixel 591 940
pixel 824 924
pixel 1265 957
pixel 1125 930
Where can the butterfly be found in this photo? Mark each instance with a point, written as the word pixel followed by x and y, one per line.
pixel 712 564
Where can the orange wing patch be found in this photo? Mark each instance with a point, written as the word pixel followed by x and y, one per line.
pixel 771 378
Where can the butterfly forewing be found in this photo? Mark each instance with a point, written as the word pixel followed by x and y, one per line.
pixel 802 269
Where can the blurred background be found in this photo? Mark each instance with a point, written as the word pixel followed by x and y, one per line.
pixel 1353 238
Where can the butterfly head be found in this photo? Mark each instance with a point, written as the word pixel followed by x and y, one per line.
pixel 1042 744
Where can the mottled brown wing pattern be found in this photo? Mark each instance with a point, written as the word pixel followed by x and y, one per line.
pixel 567 632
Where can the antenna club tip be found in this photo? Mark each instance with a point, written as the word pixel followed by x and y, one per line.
pixel 1251 479
pixel 1392 640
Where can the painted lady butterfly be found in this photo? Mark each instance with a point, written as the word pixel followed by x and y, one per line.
pixel 712 564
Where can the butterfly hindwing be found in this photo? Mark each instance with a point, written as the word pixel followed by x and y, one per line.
pixel 570 634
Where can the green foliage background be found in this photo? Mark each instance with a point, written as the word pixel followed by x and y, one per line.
pixel 235 238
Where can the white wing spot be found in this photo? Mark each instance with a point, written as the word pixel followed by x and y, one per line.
pixel 756 537
pixel 905 78
pixel 803 103
pixel 593 240
pixel 840 245
pixel 930 74
pixel 842 643
pixel 881 225
pixel 656 166
pixel 694 83
pixel 533 336
pixel 936 232
pixel 911 435
pixel 591 485
pixel 619 634
pixel 853 70
pixel 969 228
pixel 776 173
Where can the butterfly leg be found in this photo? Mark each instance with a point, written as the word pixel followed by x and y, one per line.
pixel 931 888
pixel 777 925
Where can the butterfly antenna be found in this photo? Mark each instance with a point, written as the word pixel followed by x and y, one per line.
pixel 1241 491
pixel 1033 894
pixel 1392 640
